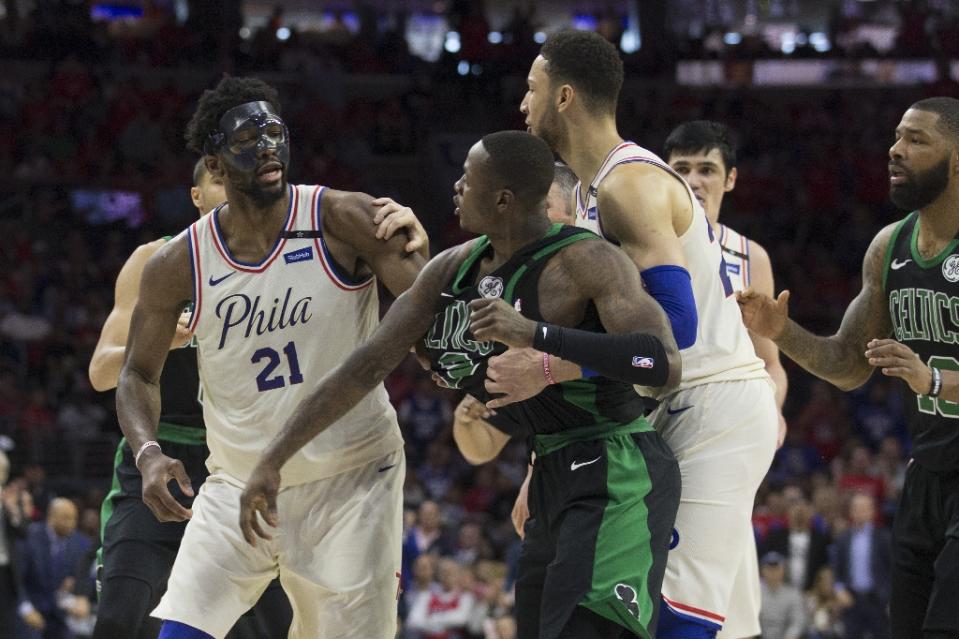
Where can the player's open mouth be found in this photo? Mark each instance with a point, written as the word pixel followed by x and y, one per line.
pixel 270 173
pixel 896 175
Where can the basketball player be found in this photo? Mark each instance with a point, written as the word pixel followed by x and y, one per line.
pixel 721 420
pixel 704 153
pixel 138 550
pixel 905 322
pixel 606 485
pixel 478 440
pixel 281 281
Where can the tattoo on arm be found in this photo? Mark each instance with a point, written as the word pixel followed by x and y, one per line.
pixel 840 359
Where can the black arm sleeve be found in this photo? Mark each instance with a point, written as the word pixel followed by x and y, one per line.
pixel 636 358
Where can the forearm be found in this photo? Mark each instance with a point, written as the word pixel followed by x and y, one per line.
pixel 138 407
pixel 830 358
pixel 636 358
pixel 105 366
pixel 476 440
pixel 339 391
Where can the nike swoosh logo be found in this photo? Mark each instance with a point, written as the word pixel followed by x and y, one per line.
pixel 576 465
pixel 544 332
pixel 446 295
pixel 896 264
pixel 385 468
pixel 678 410
pixel 214 282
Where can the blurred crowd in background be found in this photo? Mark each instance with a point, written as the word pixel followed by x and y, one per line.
pixel 93 163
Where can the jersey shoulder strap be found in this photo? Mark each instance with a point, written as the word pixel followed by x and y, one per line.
pixel 907 223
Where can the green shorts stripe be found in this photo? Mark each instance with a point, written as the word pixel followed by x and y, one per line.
pixel 106 509
pixel 623 543
pixel 180 434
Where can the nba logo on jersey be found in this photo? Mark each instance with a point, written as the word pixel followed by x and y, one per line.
pixel 591 213
pixel 643 362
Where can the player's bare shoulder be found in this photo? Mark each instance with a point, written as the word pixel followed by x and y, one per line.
pixel 874 262
pixel 167 276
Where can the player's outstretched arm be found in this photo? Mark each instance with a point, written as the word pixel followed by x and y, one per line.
pixel 342 388
pixel 839 359
pixel 165 289
pixel 107 360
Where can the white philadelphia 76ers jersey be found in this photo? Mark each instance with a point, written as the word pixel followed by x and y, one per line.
pixel 735 248
pixel 723 350
pixel 267 333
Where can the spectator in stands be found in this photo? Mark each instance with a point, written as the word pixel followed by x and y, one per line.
pixel 824 606
pixel 13 526
pixel 804 547
pixel 444 613
pixel 426 536
pixel 863 569
pixel 49 559
pixel 782 615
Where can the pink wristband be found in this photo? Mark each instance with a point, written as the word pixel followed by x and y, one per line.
pixel 546 371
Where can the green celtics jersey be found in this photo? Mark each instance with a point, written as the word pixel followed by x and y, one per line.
pixel 460 359
pixel 924 307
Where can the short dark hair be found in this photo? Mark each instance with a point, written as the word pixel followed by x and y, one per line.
pixel 230 92
pixel 199 170
pixel 587 61
pixel 948 111
pixel 702 136
pixel 520 162
pixel 565 178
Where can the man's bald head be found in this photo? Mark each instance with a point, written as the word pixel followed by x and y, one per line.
pixel 62 516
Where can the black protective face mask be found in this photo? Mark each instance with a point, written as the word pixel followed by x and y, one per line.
pixel 246 130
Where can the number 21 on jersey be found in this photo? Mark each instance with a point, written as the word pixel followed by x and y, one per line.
pixel 264 381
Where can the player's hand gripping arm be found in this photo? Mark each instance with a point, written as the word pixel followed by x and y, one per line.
pixel 638 346
pixel 838 359
pixel 107 357
pixel 392 217
pixel 348 223
pixel 342 388
pixel 165 288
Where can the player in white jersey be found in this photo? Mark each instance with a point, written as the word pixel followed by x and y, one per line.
pixel 282 282
pixel 704 154
pixel 721 421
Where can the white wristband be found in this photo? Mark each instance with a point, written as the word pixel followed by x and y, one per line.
pixel 136 458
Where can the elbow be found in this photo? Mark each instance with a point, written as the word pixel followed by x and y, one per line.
pixel 98 379
pixel 675 373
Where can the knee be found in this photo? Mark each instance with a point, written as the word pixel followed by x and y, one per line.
pixel 675 625
pixel 177 630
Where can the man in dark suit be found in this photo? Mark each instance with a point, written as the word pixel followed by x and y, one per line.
pixel 49 560
pixel 805 547
pixel 863 568
pixel 13 524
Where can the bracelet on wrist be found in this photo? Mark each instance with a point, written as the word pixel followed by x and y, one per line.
pixel 936 382
pixel 550 380
pixel 139 453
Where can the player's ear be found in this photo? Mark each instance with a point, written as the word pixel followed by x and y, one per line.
pixel 195 196
pixel 730 180
pixel 564 97
pixel 504 200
